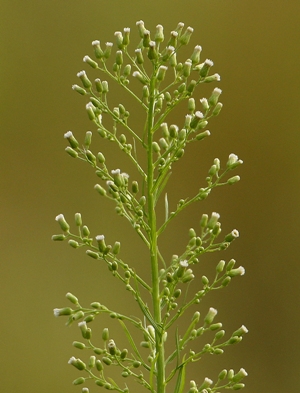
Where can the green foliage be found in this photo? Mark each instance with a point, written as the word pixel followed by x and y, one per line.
pixel 163 144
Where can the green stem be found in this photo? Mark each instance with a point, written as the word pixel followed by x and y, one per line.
pixel 160 376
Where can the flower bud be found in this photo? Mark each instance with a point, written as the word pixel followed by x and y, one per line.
pixel 173 131
pixel 97 49
pixel 185 37
pixel 116 248
pixel 99 365
pixel 187 276
pixel 203 221
pixel 92 361
pixel 98 85
pixel 181 268
pixel 78 345
pixel 107 361
pixel 123 354
pixel 202 135
pixel 90 157
pixel 126 36
pixel 141 28
pixel 62 222
pixel 84 79
pixel 107 50
pixel 235 340
pixel 196 54
pixel 240 375
pixel 71 139
pixel 100 189
pixel 119 57
pixel 92 254
pixel 139 56
pixel 78 363
pixel 217 109
pixel 140 77
pixel 155 147
pixel 90 111
pixel 135 187
pixel 232 236
pixel 161 73
pixel 220 266
pixel 90 62
pixel 73 299
pixel 238 386
pixel 216 229
pixel 195 120
pixel 206 384
pixel 101 242
pixel 212 78
pixel 233 180
pixel 163 143
pixel 58 237
pixel 58 312
pixel 173 57
pixel 127 70
pixel 233 161
pixel 213 99
pixel 159 34
pixel 88 139
pixel 111 347
pixel 105 334
pixel 119 39
pixel 71 152
pixel 152 52
pixel 213 220
pixel 220 334
pixel 79 90
pixel 215 326
pixel 173 39
pixel 222 375
pixel 191 86
pixel 242 330
pixel 186 71
pixel 204 70
pixel 213 170
pixel 210 315
pixel 240 271
pixel 79 381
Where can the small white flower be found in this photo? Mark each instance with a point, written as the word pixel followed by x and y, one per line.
pixel 72 360
pixel 68 134
pixel 217 90
pixel 115 172
pixel 184 263
pixel 209 62
pixel 59 217
pixel 235 233
pixel 199 115
pixel 81 73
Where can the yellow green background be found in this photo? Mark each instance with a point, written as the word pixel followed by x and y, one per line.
pixel 255 48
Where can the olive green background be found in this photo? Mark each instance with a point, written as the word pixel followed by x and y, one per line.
pixel 255 48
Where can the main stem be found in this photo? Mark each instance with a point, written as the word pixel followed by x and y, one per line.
pixel 160 364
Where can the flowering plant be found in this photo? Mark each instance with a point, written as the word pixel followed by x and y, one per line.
pixel 162 144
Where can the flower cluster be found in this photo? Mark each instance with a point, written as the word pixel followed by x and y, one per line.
pixel 163 83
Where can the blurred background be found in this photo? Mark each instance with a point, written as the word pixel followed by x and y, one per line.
pixel 255 49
